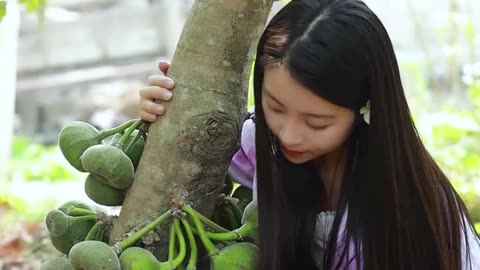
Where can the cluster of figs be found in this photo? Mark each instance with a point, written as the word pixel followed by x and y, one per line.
pixel 81 231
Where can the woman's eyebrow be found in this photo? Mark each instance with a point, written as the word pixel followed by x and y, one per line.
pixel 310 114
pixel 267 92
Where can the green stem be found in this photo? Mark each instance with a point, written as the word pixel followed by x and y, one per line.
pixel 181 239
pixel 192 262
pixel 109 132
pixel 211 249
pixel 130 241
pixel 129 131
pixel 133 142
pixel 216 214
pixel 171 243
pixel 209 222
pixel 236 209
pixel 238 234
pixel 93 231
pixel 75 212
pixel 82 218
pixel 101 232
pixel 231 216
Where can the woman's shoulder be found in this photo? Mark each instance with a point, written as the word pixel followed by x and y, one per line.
pixel 247 140
pixel 243 166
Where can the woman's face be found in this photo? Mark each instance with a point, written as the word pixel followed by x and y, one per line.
pixel 306 125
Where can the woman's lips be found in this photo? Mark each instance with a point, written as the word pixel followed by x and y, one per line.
pixel 293 153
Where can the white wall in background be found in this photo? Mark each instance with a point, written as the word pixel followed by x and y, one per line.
pixel 8 66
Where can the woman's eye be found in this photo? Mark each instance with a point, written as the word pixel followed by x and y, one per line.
pixel 318 128
pixel 277 110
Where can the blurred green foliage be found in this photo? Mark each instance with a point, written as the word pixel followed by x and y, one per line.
pixel 30 5
pixel 454 143
pixel 3 9
pixel 32 161
pixel 20 211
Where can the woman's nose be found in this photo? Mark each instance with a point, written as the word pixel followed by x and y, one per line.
pixel 290 134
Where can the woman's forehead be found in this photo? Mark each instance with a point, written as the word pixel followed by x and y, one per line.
pixel 279 85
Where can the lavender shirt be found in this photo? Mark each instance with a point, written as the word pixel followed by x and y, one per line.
pixel 243 170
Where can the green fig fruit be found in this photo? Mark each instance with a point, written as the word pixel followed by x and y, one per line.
pixel 102 193
pixel 76 137
pixel 250 214
pixel 136 258
pixel 60 263
pixel 136 152
pixel 68 229
pixel 110 163
pixel 93 255
pixel 76 232
pixel 250 220
pixel 239 256
pixel 57 222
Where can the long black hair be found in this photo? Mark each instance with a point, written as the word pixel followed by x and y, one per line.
pixel 400 210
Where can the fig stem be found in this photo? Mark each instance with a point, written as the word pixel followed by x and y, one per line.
pixel 238 234
pixel 192 262
pixel 231 217
pixel 109 132
pixel 236 209
pixel 211 249
pixel 128 132
pixel 171 243
pixel 75 212
pixel 183 249
pixel 130 146
pixel 209 222
pixel 58 222
pixel 130 241
pixel 93 231
pixel 82 218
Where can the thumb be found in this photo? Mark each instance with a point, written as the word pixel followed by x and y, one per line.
pixel 164 66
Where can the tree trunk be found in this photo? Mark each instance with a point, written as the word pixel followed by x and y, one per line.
pixel 188 151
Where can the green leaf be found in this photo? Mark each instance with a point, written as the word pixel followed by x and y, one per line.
pixel 3 9
pixel 16 203
pixel 31 4
pixel 470 29
pixel 474 91
pixel 20 146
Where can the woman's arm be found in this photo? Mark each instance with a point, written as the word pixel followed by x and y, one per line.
pixel 473 252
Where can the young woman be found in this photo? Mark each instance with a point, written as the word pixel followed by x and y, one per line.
pixel 342 178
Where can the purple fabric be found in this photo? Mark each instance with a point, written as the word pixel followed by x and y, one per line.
pixel 242 169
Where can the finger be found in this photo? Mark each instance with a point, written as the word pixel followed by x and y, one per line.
pixel 160 80
pixel 164 66
pixel 152 107
pixel 148 116
pixel 155 92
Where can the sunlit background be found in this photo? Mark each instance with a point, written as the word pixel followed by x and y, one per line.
pixel 66 60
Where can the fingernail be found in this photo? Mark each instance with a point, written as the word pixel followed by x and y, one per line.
pixel 170 82
pixel 169 95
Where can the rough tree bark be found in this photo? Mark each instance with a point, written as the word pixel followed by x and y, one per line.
pixel 188 151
